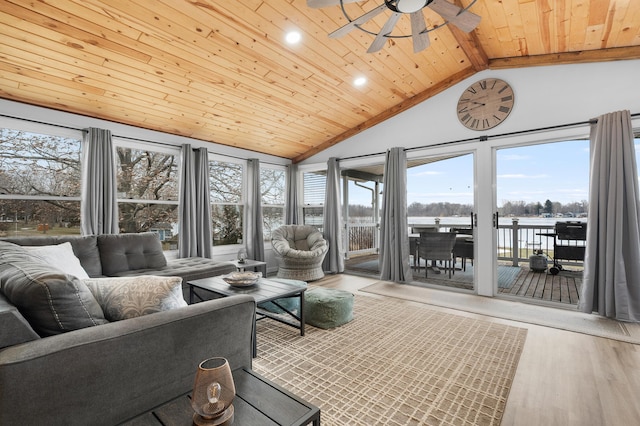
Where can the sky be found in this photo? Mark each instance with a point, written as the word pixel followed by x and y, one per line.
pixel 555 171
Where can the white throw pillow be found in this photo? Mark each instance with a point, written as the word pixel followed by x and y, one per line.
pixel 62 257
pixel 129 297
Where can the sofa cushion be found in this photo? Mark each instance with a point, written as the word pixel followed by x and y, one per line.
pixel 61 256
pixel 50 300
pixel 130 297
pixel 15 328
pixel 189 268
pixel 84 247
pixel 126 252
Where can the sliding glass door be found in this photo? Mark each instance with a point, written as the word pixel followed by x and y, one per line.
pixel 541 190
pixel 440 200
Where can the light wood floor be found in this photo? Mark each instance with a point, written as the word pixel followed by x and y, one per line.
pixel 563 378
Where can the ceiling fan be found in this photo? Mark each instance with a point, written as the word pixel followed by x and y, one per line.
pixel 452 14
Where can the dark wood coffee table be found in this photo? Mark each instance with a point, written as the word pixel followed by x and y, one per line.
pixel 264 290
pixel 258 402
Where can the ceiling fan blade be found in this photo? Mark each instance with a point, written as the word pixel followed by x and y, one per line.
pixel 420 38
pixel 380 39
pixel 361 20
pixel 465 20
pixel 315 4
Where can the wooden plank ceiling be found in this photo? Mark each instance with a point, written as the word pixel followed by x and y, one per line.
pixel 220 71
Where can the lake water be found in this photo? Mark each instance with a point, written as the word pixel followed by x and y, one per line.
pixel 530 221
pixel 527 238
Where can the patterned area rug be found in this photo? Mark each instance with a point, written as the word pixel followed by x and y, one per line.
pixel 396 364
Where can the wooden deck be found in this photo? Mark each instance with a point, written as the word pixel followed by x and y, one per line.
pixel 562 288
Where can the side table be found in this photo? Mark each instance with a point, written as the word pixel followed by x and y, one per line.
pixel 258 402
pixel 249 263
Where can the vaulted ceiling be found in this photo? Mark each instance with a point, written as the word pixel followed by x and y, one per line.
pixel 220 71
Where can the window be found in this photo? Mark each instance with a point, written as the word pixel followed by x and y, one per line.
pixel 272 188
pixel 314 185
pixel 545 180
pixel 148 185
pixel 40 178
pixel 225 184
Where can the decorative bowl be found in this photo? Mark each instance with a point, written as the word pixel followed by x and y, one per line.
pixel 242 279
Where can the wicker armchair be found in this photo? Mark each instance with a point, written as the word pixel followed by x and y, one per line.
pixel 299 250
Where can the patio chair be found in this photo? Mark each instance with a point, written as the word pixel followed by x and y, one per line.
pixel 463 248
pixel 437 246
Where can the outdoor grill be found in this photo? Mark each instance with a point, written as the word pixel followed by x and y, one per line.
pixel 569 243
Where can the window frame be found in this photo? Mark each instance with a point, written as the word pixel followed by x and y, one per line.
pixel 281 207
pixel 120 142
pixel 241 204
pixel 47 130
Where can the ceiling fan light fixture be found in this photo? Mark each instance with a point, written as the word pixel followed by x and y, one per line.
pixel 451 13
pixel 407 6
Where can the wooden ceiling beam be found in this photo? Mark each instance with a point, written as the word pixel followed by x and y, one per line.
pixel 471 46
pixel 395 110
pixel 584 56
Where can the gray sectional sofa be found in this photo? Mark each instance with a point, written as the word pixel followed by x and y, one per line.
pixel 80 368
pixel 126 255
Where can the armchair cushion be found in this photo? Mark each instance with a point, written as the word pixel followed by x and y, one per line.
pixel 299 241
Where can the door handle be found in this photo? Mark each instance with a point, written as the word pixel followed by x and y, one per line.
pixel 495 220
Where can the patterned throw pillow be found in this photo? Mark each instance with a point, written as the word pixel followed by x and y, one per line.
pixel 130 297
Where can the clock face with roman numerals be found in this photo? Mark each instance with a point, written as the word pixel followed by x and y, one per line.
pixel 485 104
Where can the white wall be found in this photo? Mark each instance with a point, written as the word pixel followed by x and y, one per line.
pixel 544 96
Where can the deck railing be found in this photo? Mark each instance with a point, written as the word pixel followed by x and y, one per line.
pixel 516 242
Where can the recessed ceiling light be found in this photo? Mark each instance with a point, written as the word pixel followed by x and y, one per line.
pixel 293 37
pixel 359 81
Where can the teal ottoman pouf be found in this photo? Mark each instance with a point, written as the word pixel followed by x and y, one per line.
pixel 327 307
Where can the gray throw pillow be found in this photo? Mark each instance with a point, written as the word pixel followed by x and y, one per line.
pixel 50 300
pixel 130 297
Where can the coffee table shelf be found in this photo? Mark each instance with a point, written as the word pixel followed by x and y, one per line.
pixel 258 402
pixel 263 291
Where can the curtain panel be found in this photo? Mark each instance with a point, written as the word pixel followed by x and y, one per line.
pixel 394 229
pixel 253 222
pixel 194 210
pixel 99 203
pixel 611 278
pixel 332 222
pixel 291 207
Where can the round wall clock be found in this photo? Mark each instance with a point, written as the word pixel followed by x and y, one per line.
pixel 485 104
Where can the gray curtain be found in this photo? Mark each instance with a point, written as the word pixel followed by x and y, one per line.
pixel 99 203
pixel 331 222
pixel 291 208
pixel 253 213
pixel 611 279
pixel 394 229
pixel 194 238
